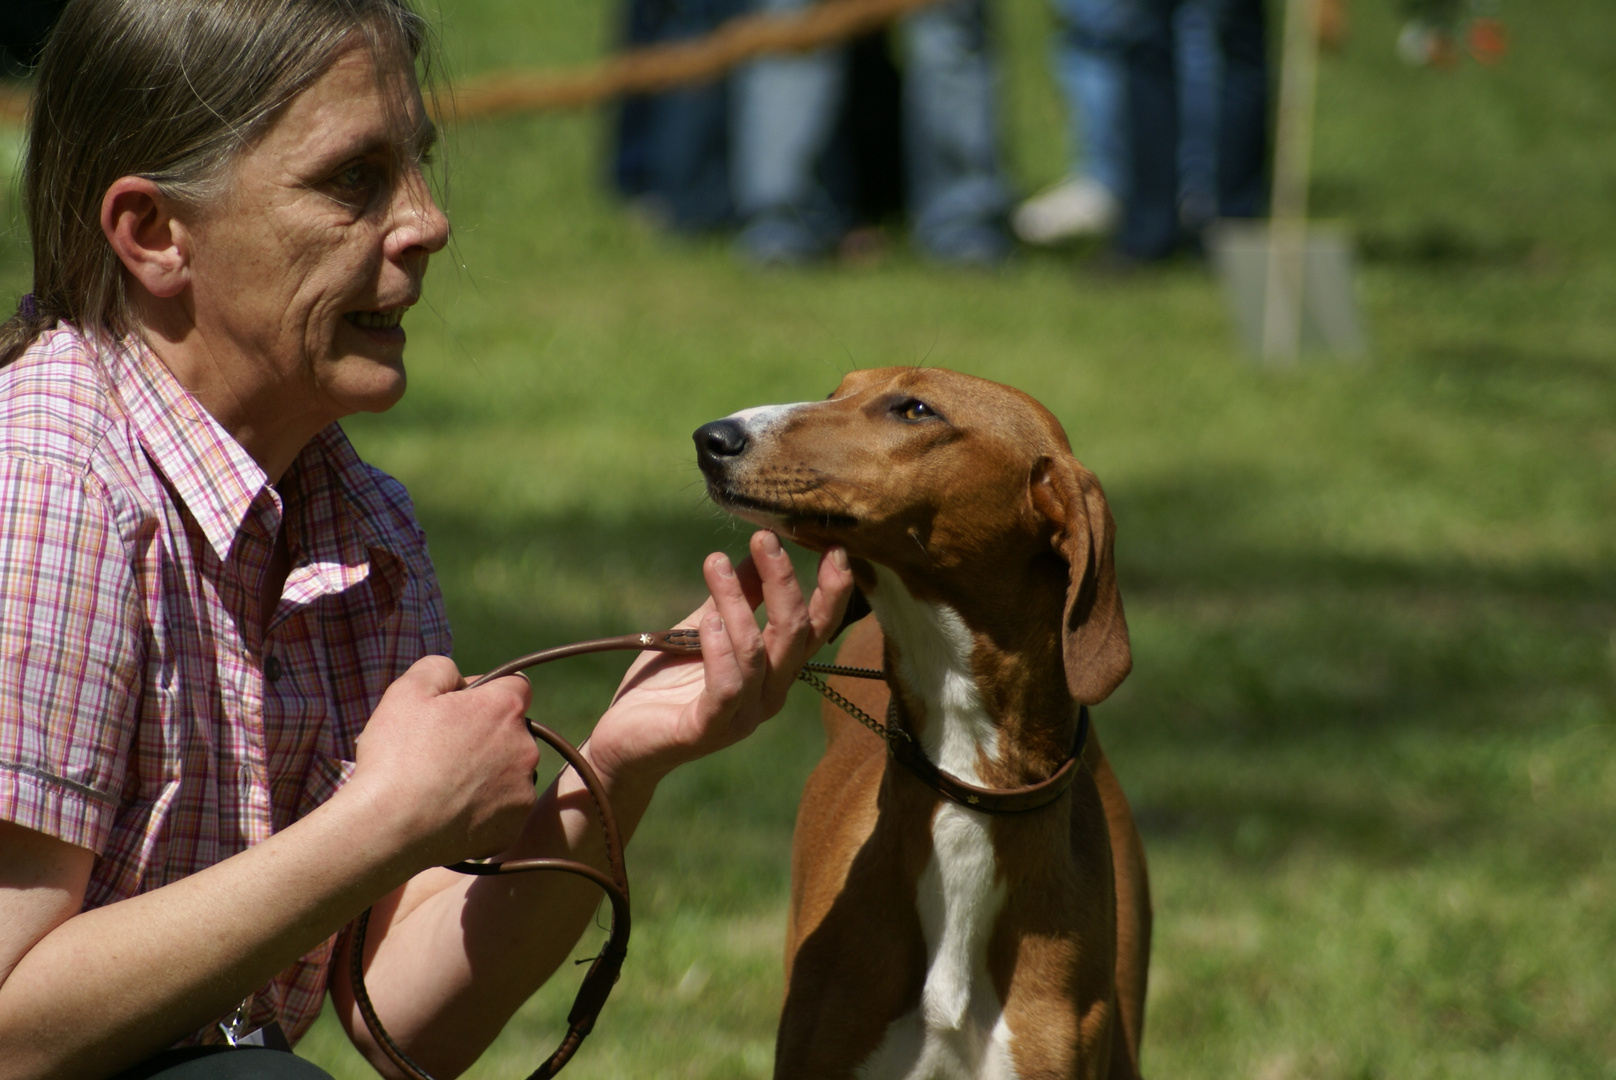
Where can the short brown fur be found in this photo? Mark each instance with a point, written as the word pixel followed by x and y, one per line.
pixel 976 503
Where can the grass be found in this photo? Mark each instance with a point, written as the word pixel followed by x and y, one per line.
pixel 1371 730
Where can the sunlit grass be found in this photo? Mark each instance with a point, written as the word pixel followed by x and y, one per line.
pixel 1370 730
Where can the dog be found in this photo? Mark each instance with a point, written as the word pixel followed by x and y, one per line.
pixel 927 939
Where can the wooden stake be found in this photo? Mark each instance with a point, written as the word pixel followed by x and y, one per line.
pixel 1286 288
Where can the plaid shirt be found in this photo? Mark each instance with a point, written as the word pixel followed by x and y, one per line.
pixel 145 711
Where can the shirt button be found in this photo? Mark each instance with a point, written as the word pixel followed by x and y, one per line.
pixel 272 669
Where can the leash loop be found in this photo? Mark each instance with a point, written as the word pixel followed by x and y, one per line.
pixel 605 966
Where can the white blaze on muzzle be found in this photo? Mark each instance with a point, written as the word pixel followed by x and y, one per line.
pixel 762 420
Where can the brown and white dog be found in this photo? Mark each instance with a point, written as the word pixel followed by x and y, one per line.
pixel 928 940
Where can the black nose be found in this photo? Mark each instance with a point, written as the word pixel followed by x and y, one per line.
pixel 720 439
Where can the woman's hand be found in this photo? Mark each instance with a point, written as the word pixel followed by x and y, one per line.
pixel 670 710
pixel 455 765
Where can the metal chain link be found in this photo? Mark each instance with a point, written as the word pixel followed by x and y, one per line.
pixel 887 731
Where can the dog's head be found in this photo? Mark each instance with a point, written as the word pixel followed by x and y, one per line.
pixel 964 488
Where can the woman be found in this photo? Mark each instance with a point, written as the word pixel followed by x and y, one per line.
pixel 227 723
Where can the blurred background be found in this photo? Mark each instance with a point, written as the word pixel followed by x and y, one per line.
pixel 1370 734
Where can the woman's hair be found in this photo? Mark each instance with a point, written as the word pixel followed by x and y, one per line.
pixel 172 91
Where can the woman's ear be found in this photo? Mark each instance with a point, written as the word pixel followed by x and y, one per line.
pixel 1094 632
pixel 153 245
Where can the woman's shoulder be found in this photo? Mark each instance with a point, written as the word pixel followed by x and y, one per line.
pixel 57 405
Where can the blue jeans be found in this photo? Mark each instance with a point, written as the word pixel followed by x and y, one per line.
pixel 672 148
pixel 785 112
pixel 1197 122
pixel 1091 65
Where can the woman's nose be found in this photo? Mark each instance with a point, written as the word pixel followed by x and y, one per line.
pixel 418 224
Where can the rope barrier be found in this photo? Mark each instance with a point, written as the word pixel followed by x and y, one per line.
pixel 681 63
pixel 13 102
pixel 644 70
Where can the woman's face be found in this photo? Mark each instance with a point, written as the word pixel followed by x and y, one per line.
pixel 301 272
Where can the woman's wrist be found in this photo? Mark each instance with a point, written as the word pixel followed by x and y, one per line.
pixel 626 775
pixel 384 825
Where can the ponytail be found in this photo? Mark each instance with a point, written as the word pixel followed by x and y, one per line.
pixel 19 331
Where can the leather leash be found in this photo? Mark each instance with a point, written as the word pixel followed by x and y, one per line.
pixel 608 964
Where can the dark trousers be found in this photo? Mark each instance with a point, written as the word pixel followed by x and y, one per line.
pixel 224 1063
pixel 1151 226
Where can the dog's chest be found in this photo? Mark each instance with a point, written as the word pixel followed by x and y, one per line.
pixel 958 1032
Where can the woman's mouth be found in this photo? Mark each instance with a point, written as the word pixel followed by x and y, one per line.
pixel 385 319
pixel 380 326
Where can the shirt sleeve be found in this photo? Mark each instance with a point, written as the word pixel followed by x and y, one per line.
pixel 70 653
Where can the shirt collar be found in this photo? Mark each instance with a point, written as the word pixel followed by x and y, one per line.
pixel 213 475
pixel 341 514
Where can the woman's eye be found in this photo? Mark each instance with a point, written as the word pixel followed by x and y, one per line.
pixel 915 410
pixel 354 183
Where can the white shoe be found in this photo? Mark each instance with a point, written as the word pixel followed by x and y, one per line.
pixel 1074 208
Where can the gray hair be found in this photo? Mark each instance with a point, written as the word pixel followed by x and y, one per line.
pixel 172 91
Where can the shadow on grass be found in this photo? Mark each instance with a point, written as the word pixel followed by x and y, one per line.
pixel 1283 698
pixel 1288 697
pixel 1512 364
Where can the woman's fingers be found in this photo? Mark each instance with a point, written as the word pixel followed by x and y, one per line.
pixel 785 633
pixel 795 627
pixel 668 710
pixel 457 763
pixel 726 583
pixel 831 595
pixel 722 679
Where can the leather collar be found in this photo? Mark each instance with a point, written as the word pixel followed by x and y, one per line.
pixel 906 752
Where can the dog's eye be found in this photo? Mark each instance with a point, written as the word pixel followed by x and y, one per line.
pixel 914 410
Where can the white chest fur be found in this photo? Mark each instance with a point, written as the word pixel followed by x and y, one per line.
pixel 958 1033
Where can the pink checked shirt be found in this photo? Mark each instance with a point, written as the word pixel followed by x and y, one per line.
pixel 145 713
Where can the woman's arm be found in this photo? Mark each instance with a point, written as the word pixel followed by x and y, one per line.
pixel 440 776
pixel 451 957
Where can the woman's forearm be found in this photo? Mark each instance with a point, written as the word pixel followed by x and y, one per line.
pixel 453 957
pixel 111 986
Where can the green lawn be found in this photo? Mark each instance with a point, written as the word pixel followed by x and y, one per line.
pixel 1371 730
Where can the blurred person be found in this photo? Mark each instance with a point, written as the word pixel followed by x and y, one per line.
pixel 786 112
pixel 1175 56
pixel 1089 57
pixel 671 158
pixel 1197 102
pixel 228 720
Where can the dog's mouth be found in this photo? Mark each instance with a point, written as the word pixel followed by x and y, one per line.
pixel 770 514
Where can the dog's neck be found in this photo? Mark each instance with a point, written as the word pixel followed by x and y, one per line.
pixel 988 714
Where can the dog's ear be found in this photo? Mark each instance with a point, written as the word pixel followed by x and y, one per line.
pixel 1094 632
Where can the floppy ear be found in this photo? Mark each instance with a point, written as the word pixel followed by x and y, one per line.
pixel 1094 633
